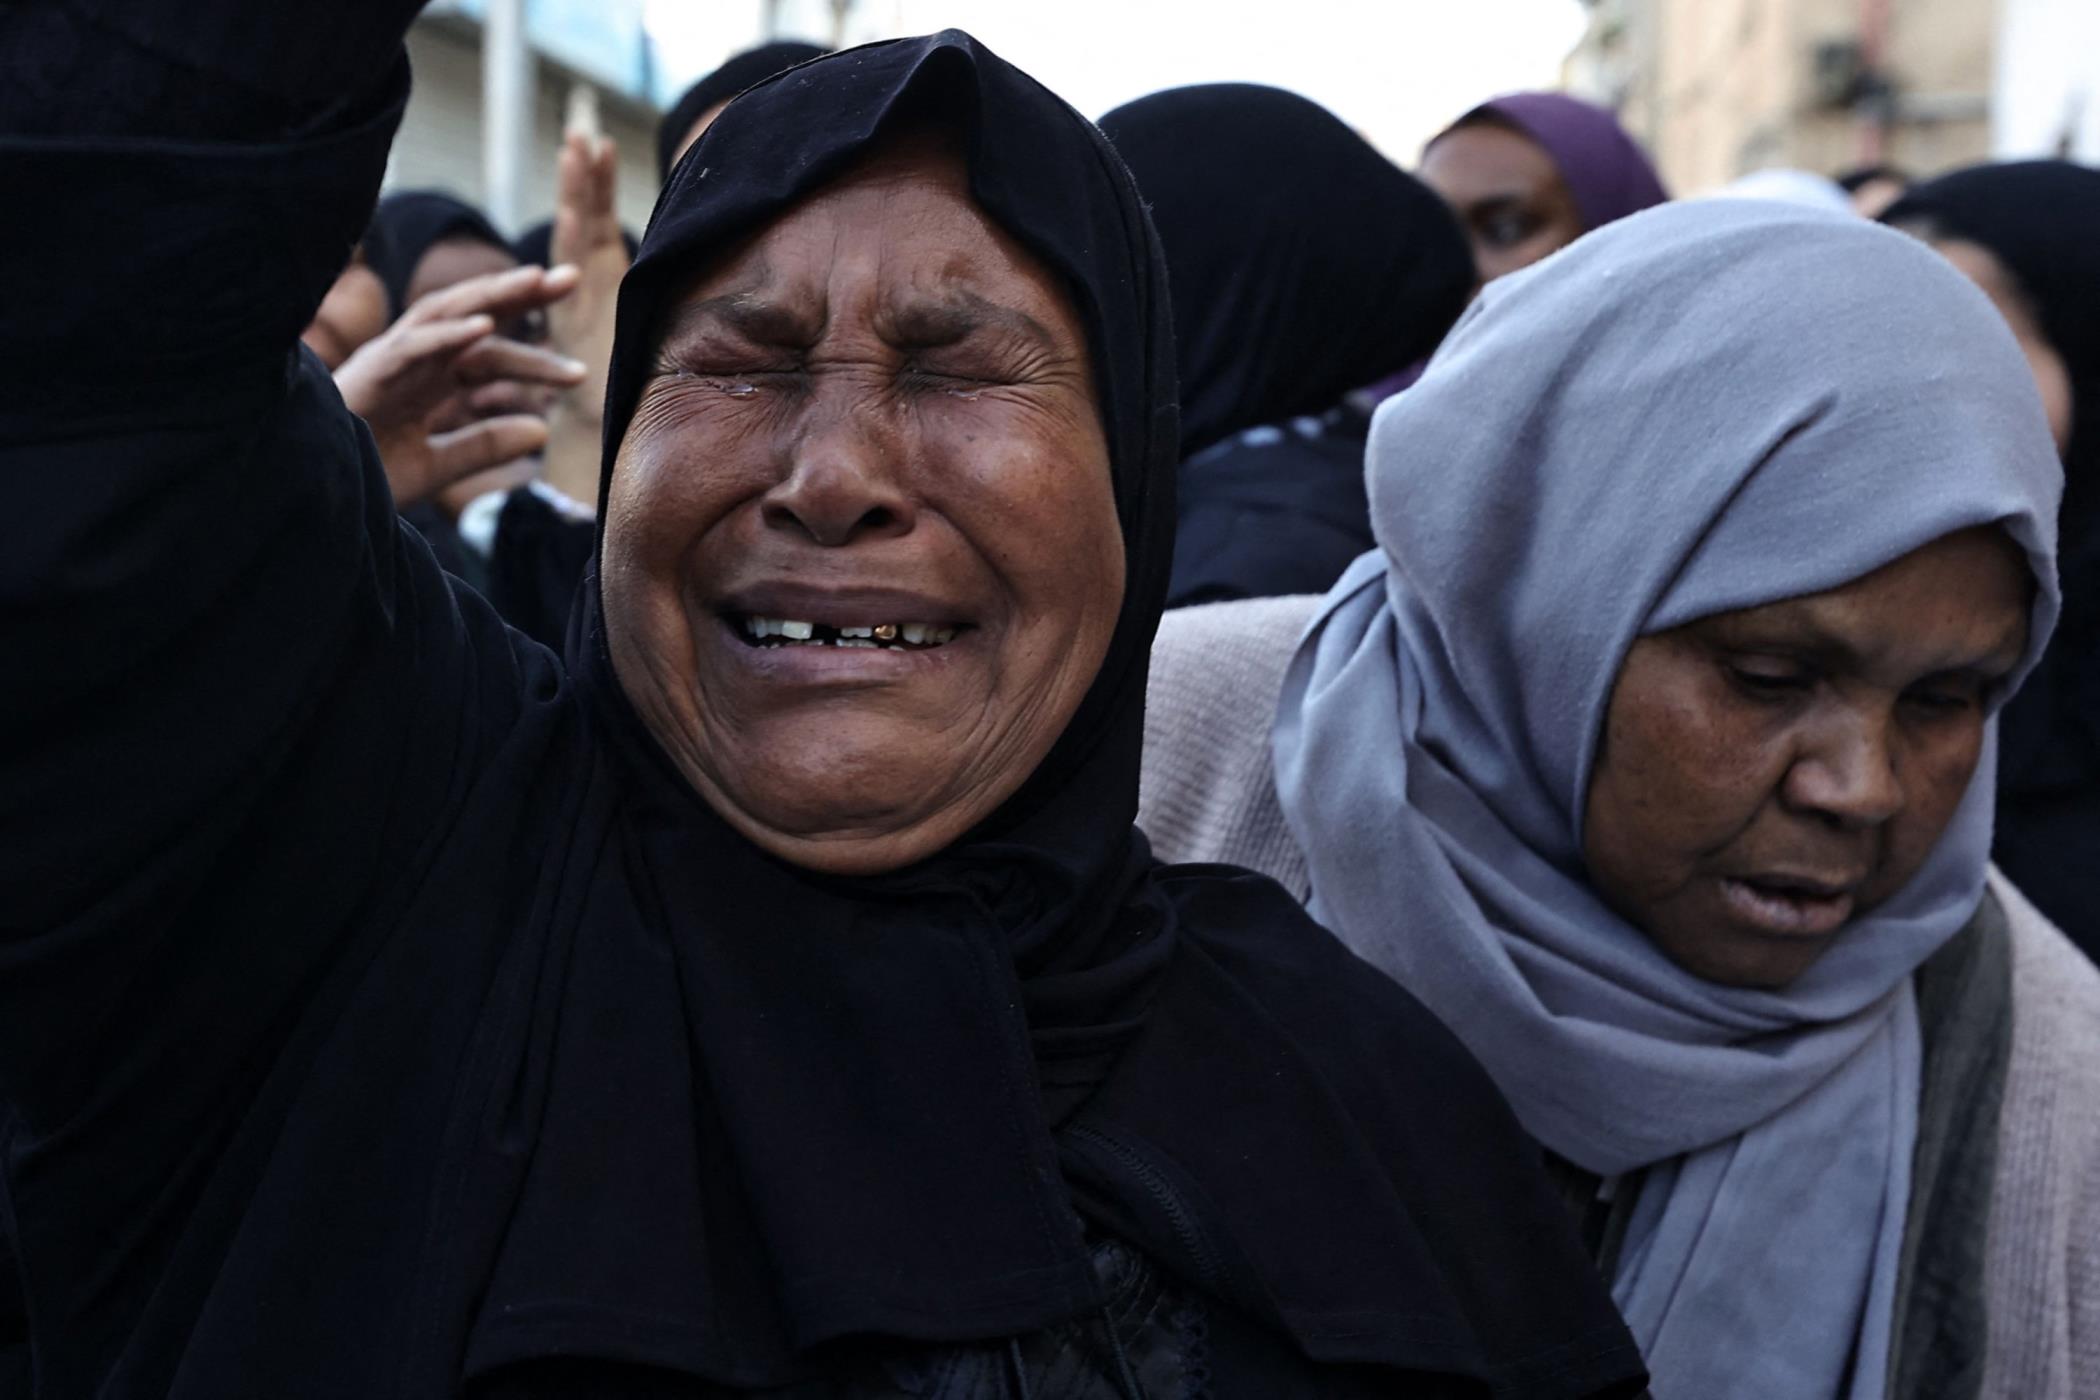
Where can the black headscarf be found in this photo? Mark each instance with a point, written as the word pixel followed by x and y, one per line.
pixel 2041 220
pixel 741 71
pixel 1304 263
pixel 404 227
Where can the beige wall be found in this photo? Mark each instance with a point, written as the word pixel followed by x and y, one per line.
pixel 1719 88
pixel 439 143
pixel 1945 51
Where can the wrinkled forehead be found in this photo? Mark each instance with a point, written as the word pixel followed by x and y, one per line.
pixel 1040 178
pixel 896 241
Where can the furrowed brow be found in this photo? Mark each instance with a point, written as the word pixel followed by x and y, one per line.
pixel 956 318
pixel 745 312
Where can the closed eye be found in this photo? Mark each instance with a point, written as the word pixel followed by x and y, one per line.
pixel 1948 695
pixel 1771 680
pixel 736 383
pixel 924 377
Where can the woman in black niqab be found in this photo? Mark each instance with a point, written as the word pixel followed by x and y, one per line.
pixel 1305 265
pixel 2041 221
pixel 408 1026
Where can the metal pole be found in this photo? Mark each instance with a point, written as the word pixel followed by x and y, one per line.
pixel 506 111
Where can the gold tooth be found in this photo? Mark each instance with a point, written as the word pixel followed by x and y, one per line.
pixel 887 632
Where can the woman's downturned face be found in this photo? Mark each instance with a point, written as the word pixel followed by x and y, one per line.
pixel 862 553
pixel 1766 775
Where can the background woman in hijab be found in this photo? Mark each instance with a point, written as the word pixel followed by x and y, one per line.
pixel 1531 172
pixel 1304 265
pixel 1654 750
pixel 2028 233
pixel 422 241
pixel 773 996
pixel 701 103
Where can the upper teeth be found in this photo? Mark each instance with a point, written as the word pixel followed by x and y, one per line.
pixel 797 630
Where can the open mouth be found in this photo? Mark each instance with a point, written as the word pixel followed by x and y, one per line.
pixel 1786 906
pixel 793 632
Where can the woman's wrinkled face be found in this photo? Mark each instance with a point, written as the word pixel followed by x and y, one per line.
pixel 1767 775
pixel 1507 193
pixel 863 559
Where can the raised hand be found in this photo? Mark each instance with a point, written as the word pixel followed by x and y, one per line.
pixel 435 387
pixel 587 236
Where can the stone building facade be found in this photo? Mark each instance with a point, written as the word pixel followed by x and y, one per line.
pixel 1719 88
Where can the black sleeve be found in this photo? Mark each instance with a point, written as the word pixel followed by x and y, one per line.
pixel 221 71
pixel 234 694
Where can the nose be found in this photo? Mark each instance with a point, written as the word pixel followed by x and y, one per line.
pixel 1848 772
pixel 845 475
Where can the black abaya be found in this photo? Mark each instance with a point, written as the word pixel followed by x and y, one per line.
pixel 1277 510
pixel 380 1014
pixel 1304 265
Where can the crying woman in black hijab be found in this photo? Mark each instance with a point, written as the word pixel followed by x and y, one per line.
pixel 1304 265
pixel 772 997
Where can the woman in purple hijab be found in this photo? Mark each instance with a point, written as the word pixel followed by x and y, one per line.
pixel 1530 172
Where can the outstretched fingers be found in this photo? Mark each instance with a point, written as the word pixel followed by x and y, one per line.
pixel 500 295
pixel 476 447
pixel 418 343
pixel 495 357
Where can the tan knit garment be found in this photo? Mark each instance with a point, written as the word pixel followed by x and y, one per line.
pixel 1208 795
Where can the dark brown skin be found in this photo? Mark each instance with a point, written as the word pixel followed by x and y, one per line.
pixel 1814 748
pixel 448 263
pixel 431 386
pixel 879 409
pixel 1507 193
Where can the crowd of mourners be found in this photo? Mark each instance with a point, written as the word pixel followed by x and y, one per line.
pixel 1030 756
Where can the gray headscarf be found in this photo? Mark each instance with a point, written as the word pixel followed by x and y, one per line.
pixel 1704 407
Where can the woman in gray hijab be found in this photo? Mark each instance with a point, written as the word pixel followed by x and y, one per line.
pixel 1653 749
